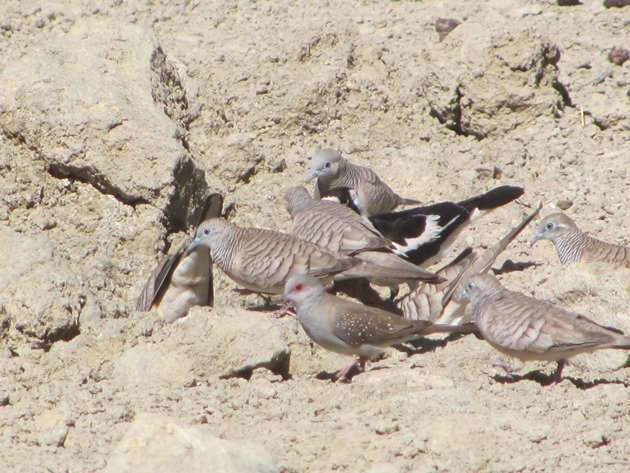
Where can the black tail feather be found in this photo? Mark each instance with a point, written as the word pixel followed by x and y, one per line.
pixel 493 199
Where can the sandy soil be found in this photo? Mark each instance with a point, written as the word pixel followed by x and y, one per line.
pixel 108 115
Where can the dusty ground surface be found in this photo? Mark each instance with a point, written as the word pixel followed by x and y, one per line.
pixel 111 113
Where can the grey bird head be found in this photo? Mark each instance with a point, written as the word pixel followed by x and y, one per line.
pixel 209 233
pixel 553 227
pixel 325 165
pixel 296 198
pixel 302 287
pixel 480 285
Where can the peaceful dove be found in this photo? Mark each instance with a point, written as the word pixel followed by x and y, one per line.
pixel 573 245
pixel 529 329
pixel 349 328
pixel 337 228
pixel 442 303
pixel 331 170
pixel 262 260
pixel 184 279
pixel 424 235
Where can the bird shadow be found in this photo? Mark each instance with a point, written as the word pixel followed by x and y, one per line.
pixel 510 266
pixel 330 376
pixel 548 380
pixel 427 345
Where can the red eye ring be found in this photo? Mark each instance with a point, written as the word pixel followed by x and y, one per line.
pixel 298 287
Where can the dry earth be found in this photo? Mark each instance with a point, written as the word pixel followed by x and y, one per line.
pixel 116 118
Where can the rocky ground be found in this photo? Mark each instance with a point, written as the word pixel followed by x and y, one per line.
pixel 116 119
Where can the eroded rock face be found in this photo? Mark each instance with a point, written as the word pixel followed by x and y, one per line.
pixel 157 443
pixel 483 83
pixel 41 297
pixel 112 113
pixel 94 173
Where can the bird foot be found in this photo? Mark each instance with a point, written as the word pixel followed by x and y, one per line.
pixel 506 365
pixel 285 309
pixel 348 371
pixel 557 377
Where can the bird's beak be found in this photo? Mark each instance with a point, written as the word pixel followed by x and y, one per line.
pixel 460 296
pixel 535 238
pixel 314 173
pixel 194 244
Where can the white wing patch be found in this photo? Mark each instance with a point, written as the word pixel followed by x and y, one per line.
pixel 432 232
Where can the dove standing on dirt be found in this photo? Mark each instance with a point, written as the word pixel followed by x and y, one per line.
pixel 331 224
pixel 183 279
pixel 349 328
pixel 573 245
pixel 528 329
pixel 337 228
pixel 423 235
pixel 331 170
pixel 262 260
pixel 443 303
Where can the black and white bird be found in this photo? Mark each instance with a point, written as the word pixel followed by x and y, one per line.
pixel 423 235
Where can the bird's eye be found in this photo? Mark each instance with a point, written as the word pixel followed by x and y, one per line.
pixel 549 226
pixel 206 231
pixel 470 285
pixel 328 164
pixel 298 287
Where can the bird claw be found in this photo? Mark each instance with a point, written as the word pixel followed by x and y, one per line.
pixel 346 373
pixel 506 365
pixel 285 309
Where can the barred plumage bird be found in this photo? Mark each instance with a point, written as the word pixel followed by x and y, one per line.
pixel 337 228
pixel 572 244
pixel 184 279
pixel 529 329
pixel 262 260
pixel 331 171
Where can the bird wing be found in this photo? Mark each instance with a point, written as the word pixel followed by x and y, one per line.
pixel 336 232
pixel 362 325
pixel 422 232
pixel 537 326
pixel 160 278
pixel 483 262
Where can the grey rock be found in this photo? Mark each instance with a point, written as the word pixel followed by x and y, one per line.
pixel 158 443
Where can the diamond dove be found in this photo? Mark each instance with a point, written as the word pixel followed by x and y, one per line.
pixel 349 328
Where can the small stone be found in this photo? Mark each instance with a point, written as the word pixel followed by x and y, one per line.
pixel 564 204
pixel 616 3
pixel 55 437
pixel 443 26
pixel 569 3
pixel 386 428
pixel 618 56
pixel 595 439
